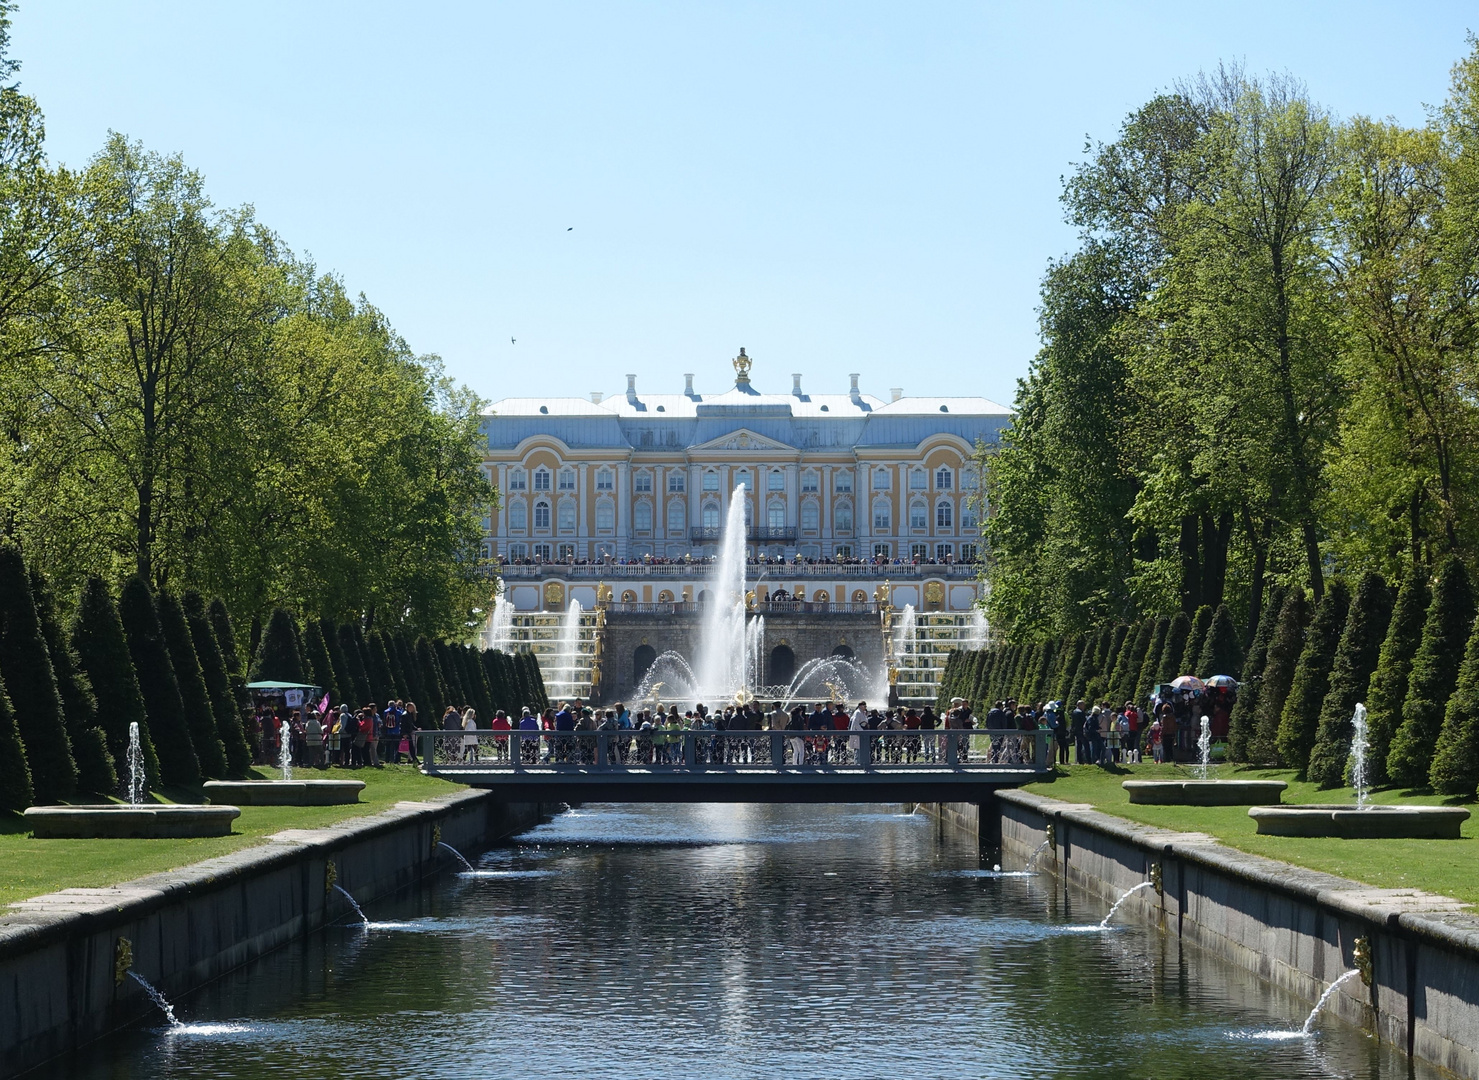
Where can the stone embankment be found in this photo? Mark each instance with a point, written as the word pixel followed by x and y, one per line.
pixel 63 955
pixel 1298 929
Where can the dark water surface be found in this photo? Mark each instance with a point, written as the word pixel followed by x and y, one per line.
pixel 738 941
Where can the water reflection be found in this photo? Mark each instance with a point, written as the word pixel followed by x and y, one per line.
pixel 738 941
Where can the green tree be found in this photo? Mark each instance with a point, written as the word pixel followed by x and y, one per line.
pixel 1350 677
pixel 224 704
pixel 316 657
pixel 31 684
pixel 163 708
pixel 437 696
pixel 382 680
pixel 1221 652
pixel 1177 635
pixel 95 771
pixel 359 679
pixel 200 717
pixel 1455 767
pixel 1126 684
pixel 1152 665
pixel 1388 690
pixel 103 653
pixel 1201 623
pixel 220 620
pixel 277 658
pixel 15 775
pixel 1242 724
pixel 1433 676
pixel 1284 649
pixel 1300 719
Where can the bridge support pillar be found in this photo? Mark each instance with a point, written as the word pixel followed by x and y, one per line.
pixel 988 829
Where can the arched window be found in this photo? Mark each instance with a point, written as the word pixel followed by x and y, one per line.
pixel 743 477
pixel 516 479
pixel 810 516
pixel 605 515
pixel 541 479
pixel 567 516
pixel 810 480
pixel 518 515
pixel 675 518
pixel 541 515
pixel 844 652
pixel 642 658
pixel 777 480
pixel 782 665
pixel 567 479
pixel 883 516
pixel 665 597
pixel 711 516
pixel 629 596
pixel 842 518
pixel 642 516
pixel 642 481
pixel 919 516
pixel 918 481
pixel 944 515
pixel 711 480
pixel 775 514
pixel 677 482
pixel 944 478
pixel 842 481
pixel 968 518
pixel 605 479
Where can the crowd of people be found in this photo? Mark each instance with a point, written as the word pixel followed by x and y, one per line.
pixel 364 738
pixel 759 558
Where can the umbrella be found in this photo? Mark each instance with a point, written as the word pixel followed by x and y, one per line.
pixel 1188 682
pixel 1223 682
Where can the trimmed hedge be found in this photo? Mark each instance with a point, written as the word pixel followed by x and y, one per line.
pixel 199 716
pixel 1284 650
pixel 1350 676
pixel 103 653
pixel 163 707
pixel 1241 724
pixel 95 769
pixel 31 684
pixel 224 705
pixel 1455 768
pixel 1300 719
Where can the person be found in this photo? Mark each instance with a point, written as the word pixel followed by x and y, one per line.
pixel 529 742
pixel 1059 728
pixel 858 722
pixel 410 724
pixel 1076 722
pixel 365 724
pixel 1094 734
pixel 928 722
pixel 564 722
pixel 500 742
pixel 333 723
pixel 390 731
pixel 1168 730
pixel 1132 732
pixel 796 721
pixel 470 741
pixel 818 721
pixel 1157 751
pixel 911 741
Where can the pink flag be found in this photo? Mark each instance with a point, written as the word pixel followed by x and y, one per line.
pixel 323 706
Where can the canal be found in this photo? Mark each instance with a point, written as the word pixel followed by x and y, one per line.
pixel 738 941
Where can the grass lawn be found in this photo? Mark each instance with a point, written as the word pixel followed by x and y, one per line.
pixel 30 867
pixel 1449 867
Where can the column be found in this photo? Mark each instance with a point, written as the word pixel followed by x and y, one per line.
pixel 623 497
pixel 582 496
pixel 862 515
pixel 825 494
pixel 659 508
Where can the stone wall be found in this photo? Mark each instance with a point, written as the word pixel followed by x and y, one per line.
pixel 58 953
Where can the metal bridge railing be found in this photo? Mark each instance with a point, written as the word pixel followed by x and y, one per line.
pixel 448 753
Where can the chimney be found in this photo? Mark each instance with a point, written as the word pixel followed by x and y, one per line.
pixel 853 393
pixel 895 392
pixel 596 397
pixel 632 388
pixel 796 384
pixel 688 384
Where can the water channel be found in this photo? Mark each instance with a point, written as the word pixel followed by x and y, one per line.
pixel 738 941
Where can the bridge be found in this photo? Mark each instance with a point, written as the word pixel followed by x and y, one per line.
pixel 870 766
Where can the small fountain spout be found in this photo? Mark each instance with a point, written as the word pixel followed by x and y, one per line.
pixel 1118 903
pixel 1204 748
pixel 1359 746
pixel 460 857
pixel 156 997
pixel 136 775
pixel 1309 1023
pixel 352 903
pixel 1037 854
pixel 285 750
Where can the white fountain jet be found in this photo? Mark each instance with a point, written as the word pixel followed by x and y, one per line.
pixel 1359 746
pixel 722 660
pixel 501 625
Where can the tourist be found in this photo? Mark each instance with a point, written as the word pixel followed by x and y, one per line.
pixel 1076 723
pixel 529 741
pixel 470 741
pixel 819 720
pixel 390 731
pixel 1059 727
pixel 500 742
pixel 1132 733
pixel 858 722
pixel 1157 751
pixel 928 722
pixel 1094 734
pixel 796 721
pixel 313 739
pixel 410 724
pixel 911 740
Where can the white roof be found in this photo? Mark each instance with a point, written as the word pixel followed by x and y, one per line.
pixel 679 406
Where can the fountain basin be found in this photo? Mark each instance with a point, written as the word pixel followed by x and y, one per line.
pixel 1384 822
pixel 285 792
pixel 1205 792
pixel 122 821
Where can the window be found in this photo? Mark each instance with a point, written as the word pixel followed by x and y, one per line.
pixel 565 551
pixel 919 516
pixel 605 515
pixel 971 481
pixel 777 480
pixel 967 552
pixel 518 551
pixel 842 481
pixel 675 518
pixel 842 518
pixel 516 480
pixel 944 515
pixel 810 481
pixel 882 551
pixel 711 480
pixel 968 518
pixel 711 516
pixel 518 515
pixel 677 483
pixel 775 514
pixel 541 551
pixel 642 482
pixel 567 479
pixel 809 516
pixel 487 551
pixel 942 553
pixel 605 480
pixel 919 552
pixel 917 480
pixel 844 551
pixel 943 478
pixel 541 515
pixel 642 517
pixel 881 479
pixel 541 479
pixel 567 516
pixel 883 517
pixel 743 477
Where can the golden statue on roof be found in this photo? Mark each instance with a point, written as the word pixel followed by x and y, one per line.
pixel 742 367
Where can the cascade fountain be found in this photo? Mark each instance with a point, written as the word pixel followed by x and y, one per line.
pixel 721 663
pixel 1364 819
pixel 977 631
pixel 500 634
pixel 561 673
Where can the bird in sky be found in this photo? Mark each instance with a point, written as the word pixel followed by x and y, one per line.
pixel 513 341
pixel 571 229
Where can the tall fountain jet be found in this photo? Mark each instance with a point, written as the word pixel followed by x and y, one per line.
pixel 723 660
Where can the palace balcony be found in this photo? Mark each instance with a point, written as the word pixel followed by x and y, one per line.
pixel 754 571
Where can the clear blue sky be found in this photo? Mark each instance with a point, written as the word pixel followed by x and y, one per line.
pixel 835 186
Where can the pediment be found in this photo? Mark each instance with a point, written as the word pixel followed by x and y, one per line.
pixel 742 440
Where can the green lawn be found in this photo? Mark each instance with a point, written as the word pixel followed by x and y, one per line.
pixel 1449 867
pixel 29 867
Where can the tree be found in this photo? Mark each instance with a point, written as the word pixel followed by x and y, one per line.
pixel 95 771
pixel 456 693
pixel 1177 635
pixel 103 653
pixel 220 621
pixel 1455 767
pixel 359 680
pixel 383 684
pixel 1200 624
pixel 15 775
pixel 31 684
pixel 224 704
pixel 1300 719
pixel 163 708
pixel 437 697
pixel 277 658
pixel 1350 677
pixel 1126 686
pixel 1388 689
pixel 1152 665
pixel 1242 722
pixel 1434 675
pixel 200 717
pixel 316 658
pixel 1284 650
pixel 1221 652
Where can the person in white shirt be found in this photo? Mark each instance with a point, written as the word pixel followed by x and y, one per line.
pixel 470 742
pixel 858 722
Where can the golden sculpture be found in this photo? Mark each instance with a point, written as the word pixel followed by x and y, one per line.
pixel 554 595
pixel 742 367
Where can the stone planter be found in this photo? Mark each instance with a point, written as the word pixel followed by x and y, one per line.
pixel 119 821
pixel 1205 792
pixel 285 792
pixel 1410 822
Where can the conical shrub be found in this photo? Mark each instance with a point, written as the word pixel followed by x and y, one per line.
pixel 456 692
pixel 1284 650
pixel 1222 651
pixel 437 698
pixel 1300 719
pixel 1150 667
pixel 316 659
pixel 535 676
pixel 31 684
pixel 210 753
pixel 1350 676
pixel 224 705
pixel 163 707
pixel 1103 680
pixel 1201 623
pixel 1242 723
pixel 410 675
pixel 1177 635
pixel 220 620
pixel 1434 675
pixel 95 771
pixel 103 653
pixel 277 658
pixel 15 776
pixel 1388 690
pixel 354 665
pixel 382 682
pixel 1455 768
